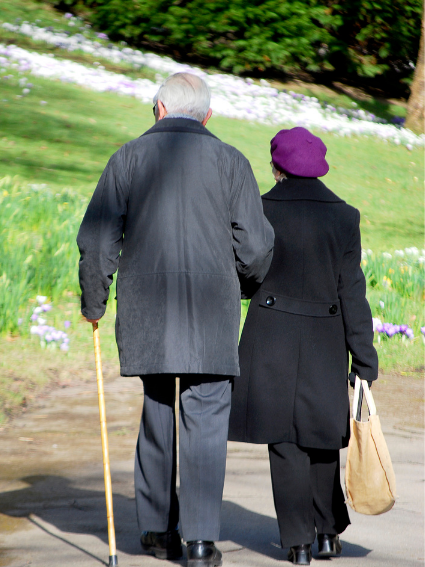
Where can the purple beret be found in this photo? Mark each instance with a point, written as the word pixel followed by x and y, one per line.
pixel 298 152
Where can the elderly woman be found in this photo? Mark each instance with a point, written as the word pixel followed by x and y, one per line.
pixel 309 313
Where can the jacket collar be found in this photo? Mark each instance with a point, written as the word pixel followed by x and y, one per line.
pixel 179 125
pixel 302 189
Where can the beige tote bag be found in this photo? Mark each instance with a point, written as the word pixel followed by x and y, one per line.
pixel 369 476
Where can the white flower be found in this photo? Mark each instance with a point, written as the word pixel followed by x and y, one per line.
pixel 41 321
pixel 232 96
pixel 381 304
pixel 41 299
pixel 387 255
pixel 399 253
pixel 377 323
pixel 413 251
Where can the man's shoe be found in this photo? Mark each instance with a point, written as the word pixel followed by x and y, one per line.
pixel 164 545
pixel 329 545
pixel 300 554
pixel 203 554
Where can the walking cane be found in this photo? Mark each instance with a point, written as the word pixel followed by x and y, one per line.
pixel 113 559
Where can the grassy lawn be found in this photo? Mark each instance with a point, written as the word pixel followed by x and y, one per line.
pixel 66 143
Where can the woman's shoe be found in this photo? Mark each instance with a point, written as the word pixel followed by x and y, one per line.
pixel 329 545
pixel 300 554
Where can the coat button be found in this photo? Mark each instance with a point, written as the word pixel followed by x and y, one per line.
pixel 270 301
pixel 333 309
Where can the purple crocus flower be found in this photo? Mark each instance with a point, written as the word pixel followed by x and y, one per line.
pixel 423 330
pixel 67 324
pixel 403 329
pixel 409 333
pixel 45 307
pixel 34 317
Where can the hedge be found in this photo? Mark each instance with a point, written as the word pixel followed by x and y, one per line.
pixel 363 38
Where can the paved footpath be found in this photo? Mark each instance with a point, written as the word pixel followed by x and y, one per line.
pixel 52 507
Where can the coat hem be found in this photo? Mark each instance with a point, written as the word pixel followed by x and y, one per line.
pixel 256 441
pixel 136 370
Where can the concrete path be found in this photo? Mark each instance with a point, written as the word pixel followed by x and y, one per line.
pixel 52 507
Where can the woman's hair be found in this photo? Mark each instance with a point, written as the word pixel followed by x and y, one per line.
pixel 184 93
pixel 278 175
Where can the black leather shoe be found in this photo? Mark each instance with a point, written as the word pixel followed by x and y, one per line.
pixel 300 554
pixel 329 545
pixel 164 545
pixel 203 554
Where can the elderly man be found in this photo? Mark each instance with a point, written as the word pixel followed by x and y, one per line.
pixel 180 213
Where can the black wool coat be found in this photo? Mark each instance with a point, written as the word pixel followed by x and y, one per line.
pixel 308 314
pixel 179 214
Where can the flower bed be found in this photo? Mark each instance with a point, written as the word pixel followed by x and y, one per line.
pixel 232 96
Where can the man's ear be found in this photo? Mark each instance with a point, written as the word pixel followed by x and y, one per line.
pixel 207 117
pixel 161 112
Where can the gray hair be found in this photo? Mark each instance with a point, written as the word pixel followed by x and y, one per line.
pixel 184 93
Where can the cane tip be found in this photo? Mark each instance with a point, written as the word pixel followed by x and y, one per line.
pixel 113 559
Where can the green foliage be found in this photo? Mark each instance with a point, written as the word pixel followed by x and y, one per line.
pixel 361 38
pixel 380 37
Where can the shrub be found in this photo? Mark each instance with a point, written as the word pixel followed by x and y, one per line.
pixel 361 37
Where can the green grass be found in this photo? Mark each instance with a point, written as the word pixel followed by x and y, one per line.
pixel 32 11
pixel 66 143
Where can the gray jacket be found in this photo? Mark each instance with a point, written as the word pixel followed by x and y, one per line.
pixel 179 212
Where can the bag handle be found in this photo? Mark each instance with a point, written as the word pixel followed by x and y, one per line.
pixel 360 387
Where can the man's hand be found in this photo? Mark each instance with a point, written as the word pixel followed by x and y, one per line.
pixel 92 320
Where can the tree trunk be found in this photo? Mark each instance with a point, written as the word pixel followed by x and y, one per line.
pixel 415 105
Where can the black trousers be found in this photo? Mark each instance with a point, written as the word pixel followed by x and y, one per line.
pixel 203 429
pixel 307 493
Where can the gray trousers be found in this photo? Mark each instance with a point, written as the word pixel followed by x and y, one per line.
pixel 203 428
pixel 307 493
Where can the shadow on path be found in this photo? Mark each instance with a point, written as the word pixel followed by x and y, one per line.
pixel 55 500
pixel 260 533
